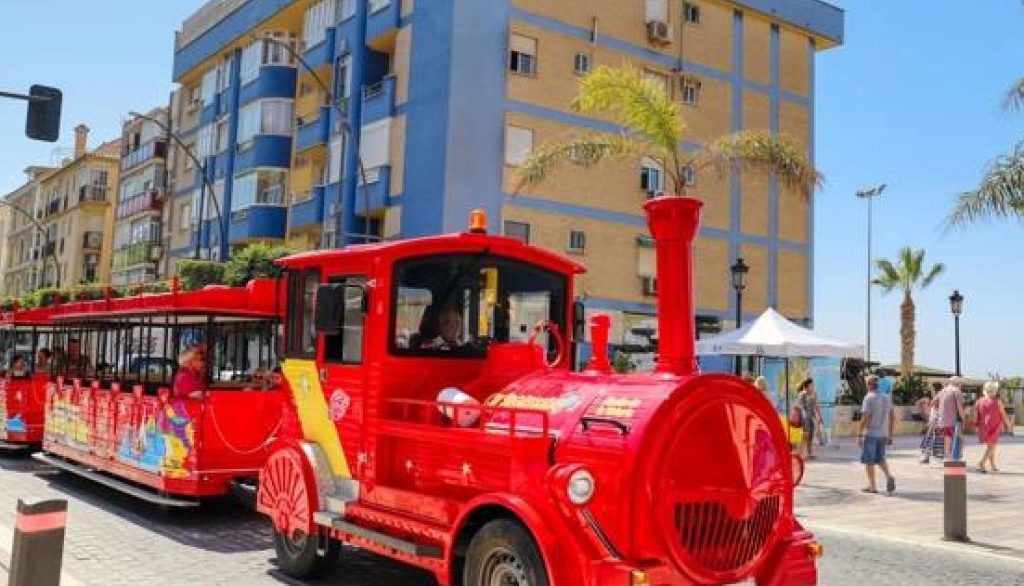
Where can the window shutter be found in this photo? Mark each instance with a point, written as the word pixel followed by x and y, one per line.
pixel 374 144
pixel 518 144
pixel 646 265
pixel 657 10
pixel 521 44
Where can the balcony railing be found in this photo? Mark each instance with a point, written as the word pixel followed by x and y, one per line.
pixel 133 254
pixel 92 193
pixel 92 240
pixel 379 100
pixel 150 150
pixel 145 201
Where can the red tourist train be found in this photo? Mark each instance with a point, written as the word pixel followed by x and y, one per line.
pixel 433 418
pixel 23 335
pixel 104 406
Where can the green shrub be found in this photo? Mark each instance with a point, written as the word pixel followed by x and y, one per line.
pixel 196 274
pixel 253 262
pixel 622 363
pixel 50 296
pixel 8 304
pixel 908 390
pixel 93 293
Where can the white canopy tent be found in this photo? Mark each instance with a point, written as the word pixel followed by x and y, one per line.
pixel 773 335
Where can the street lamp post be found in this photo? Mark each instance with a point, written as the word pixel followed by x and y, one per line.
pixel 739 271
pixel 201 165
pixel 869 194
pixel 956 305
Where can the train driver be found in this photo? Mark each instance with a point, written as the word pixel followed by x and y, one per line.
pixel 190 380
pixel 441 330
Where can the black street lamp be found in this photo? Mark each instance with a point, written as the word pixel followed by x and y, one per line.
pixel 956 305
pixel 739 271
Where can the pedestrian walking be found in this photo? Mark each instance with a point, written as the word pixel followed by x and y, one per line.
pixel 810 414
pixel 876 432
pixel 992 419
pixel 950 402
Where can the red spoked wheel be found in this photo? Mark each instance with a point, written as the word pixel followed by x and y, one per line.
pixel 287 494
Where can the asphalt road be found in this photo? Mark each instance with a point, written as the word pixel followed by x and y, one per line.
pixel 115 540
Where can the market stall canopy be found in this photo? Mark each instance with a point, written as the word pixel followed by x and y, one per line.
pixel 771 334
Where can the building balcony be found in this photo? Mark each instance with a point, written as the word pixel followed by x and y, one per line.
pixel 154 149
pixel 382 24
pixel 315 133
pixel 49 248
pixel 92 194
pixel 151 200
pixel 321 53
pixel 92 241
pixel 136 254
pixel 309 212
pixel 258 222
pixel 375 194
pixel 379 100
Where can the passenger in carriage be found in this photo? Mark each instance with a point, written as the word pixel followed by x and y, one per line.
pixel 43 357
pixel 190 380
pixel 19 367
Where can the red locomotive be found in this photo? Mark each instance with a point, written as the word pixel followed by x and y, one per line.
pixel 24 339
pixel 433 418
pixel 112 415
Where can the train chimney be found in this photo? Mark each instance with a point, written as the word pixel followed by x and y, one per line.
pixel 673 222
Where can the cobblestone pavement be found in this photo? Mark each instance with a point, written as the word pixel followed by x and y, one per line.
pixel 830 497
pixel 852 560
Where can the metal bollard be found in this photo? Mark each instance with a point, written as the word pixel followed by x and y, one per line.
pixel 954 501
pixel 38 543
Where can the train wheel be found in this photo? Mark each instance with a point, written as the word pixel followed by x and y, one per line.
pixel 297 555
pixel 504 554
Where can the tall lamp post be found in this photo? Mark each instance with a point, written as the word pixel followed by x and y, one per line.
pixel 956 305
pixel 739 271
pixel 869 194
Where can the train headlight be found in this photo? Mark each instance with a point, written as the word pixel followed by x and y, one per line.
pixel 581 487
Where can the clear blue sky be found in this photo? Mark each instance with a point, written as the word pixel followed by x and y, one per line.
pixel 912 99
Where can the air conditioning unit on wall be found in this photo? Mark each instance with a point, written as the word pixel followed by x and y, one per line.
pixel 659 33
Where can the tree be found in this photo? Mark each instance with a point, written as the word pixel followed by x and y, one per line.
pixel 1001 193
pixel 653 125
pixel 906 275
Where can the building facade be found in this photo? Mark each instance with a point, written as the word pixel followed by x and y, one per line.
pixel 446 98
pixel 22 243
pixel 76 214
pixel 138 241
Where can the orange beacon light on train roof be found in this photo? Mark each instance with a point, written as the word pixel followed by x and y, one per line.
pixel 478 222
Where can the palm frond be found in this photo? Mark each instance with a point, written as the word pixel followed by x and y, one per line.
pixel 636 102
pixel 761 152
pixel 933 274
pixel 1015 96
pixel 585 151
pixel 1000 195
pixel 888 277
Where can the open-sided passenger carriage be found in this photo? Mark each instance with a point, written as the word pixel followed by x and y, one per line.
pixel 112 413
pixel 433 418
pixel 23 334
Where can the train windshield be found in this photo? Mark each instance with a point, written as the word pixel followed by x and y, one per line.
pixel 458 305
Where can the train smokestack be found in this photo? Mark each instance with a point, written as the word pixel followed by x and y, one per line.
pixel 673 222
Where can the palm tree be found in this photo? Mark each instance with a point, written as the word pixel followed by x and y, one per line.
pixel 906 275
pixel 1001 193
pixel 653 126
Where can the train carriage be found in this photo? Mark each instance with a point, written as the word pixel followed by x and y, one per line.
pixel 113 413
pixel 23 334
pixel 433 418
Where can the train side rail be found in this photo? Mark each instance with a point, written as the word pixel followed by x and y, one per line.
pixel 515 422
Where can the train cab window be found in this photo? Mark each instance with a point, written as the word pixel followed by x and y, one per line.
pixel 301 333
pixel 346 347
pixel 458 305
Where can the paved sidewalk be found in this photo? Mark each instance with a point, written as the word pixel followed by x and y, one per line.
pixel 830 497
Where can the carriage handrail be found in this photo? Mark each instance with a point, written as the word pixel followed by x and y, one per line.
pixel 231 447
pixel 490 411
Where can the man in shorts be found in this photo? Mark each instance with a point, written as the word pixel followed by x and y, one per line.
pixel 876 432
pixel 950 403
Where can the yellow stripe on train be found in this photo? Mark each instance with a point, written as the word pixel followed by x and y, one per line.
pixel 314 416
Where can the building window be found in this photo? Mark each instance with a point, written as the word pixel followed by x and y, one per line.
pixel 224 75
pixel 268 116
pixel 688 173
pixel 691 91
pixel 518 230
pixel 518 144
pixel 318 18
pixel 658 78
pixel 581 63
pixel 252 57
pixel 577 241
pixel 652 177
pixel 185 217
pixel 657 11
pixel 522 57
pixel 375 144
pixel 343 77
pixel 691 13
pixel 209 86
pixel 204 142
pixel 222 135
pixel 348 9
pixel 346 346
pixel 259 187
pixel 374 6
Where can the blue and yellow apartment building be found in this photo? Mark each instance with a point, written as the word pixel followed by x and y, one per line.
pixel 445 98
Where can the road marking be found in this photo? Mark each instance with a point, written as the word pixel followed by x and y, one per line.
pixel 961 548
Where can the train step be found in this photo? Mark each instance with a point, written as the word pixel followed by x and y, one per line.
pixel 327 519
pixel 113 483
pixel 11 447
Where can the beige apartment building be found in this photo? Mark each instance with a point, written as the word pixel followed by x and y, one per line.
pixel 21 262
